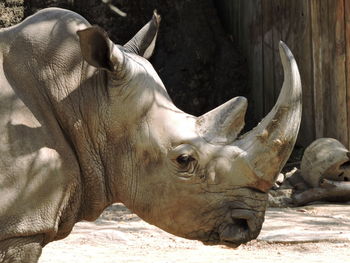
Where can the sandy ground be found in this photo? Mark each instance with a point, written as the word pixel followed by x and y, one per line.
pixel 318 233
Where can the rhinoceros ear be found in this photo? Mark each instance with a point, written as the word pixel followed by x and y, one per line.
pixel 98 50
pixel 144 41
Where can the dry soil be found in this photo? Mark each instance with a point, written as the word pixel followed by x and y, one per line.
pixel 318 233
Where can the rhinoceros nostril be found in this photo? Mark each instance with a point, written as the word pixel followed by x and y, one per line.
pixel 242 223
pixel 235 233
pixel 250 218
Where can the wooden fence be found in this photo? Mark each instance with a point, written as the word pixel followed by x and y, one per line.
pixel 318 33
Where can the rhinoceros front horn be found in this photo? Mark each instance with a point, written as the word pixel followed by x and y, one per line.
pixel 267 147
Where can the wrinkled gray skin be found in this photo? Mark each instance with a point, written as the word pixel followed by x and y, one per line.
pixel 85 123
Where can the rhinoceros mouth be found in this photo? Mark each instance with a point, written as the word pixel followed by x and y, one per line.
pixel 245 225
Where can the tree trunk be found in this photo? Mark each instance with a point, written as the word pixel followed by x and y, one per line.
pixel 336 191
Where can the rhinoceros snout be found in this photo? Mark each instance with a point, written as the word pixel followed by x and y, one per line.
pixel 243 226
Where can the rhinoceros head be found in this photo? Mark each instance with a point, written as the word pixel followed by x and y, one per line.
pixel 191 176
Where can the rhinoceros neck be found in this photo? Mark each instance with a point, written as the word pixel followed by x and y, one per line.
pixel 82 115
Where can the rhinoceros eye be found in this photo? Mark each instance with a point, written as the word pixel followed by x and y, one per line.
pixel 184 159
pixel 186 163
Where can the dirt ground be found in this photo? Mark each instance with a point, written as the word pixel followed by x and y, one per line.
pixel 319 233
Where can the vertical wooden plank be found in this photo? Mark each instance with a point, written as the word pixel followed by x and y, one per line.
pixel 318 9
pixel 337 124
pixel 224 9
pixel 278 8
pixel 250 40
pixel 256 54
pixel 235 17
pixel 231 14
pixel 268 55
pixel 347 64
pixel 326 68
pixel 239 18
pixel 242 21
pixel 297 35
pixel 230 5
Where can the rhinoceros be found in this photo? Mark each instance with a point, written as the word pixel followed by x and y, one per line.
pixel 85 123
